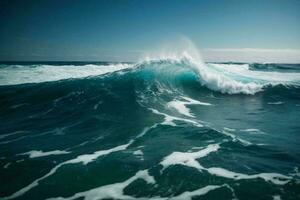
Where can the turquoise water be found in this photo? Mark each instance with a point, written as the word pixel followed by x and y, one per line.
pixel 160 129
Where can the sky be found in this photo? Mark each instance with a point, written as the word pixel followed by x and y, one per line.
pixel 123 30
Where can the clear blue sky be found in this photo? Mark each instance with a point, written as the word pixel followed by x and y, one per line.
pixel 122 30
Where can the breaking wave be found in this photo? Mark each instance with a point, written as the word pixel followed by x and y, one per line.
pixel 138 130
pixel 224 78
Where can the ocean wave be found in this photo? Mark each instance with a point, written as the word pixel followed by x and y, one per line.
pixel 22 74
pixel 224 78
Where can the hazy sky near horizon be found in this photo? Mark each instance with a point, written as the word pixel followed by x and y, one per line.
pixel 123 30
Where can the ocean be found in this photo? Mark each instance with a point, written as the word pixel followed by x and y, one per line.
pixel 165 128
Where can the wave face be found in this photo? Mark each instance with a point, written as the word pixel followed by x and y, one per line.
pixel 167 128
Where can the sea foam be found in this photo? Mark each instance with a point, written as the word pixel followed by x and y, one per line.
pixel 44 73
pixel 36 154
pixel 189 159
pixel 84 159
pixel 180 106
pixel 169 120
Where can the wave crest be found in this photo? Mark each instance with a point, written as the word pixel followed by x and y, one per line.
pixel 224 78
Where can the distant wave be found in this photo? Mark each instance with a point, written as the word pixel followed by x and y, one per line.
pixel 22 74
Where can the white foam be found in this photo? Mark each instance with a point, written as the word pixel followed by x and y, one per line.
pixel 225 78
pixel 22 137
pixel 276 197
pixel 6 165
pixel 235 138
pixel 297 173
pixel 42 73
pixel 169 120
pixel 180 106
pixel 19 105
pixel 2 136
pixel 276 103
pixel 232 79
pixel 199 192
pixel 84 159
pixel 188 158
pixel 97 105
pixel 212 75
pixel 138 153
pixel 219 82
pixel 87 158
pixel 275 178
pixel 112 191
pixel 253 131
pixel 13 140
pixel 145 130
pixel 116 190
pixel 229 129
pixel 191 101
pixel 36 154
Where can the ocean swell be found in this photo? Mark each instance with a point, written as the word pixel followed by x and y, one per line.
pixel 224 78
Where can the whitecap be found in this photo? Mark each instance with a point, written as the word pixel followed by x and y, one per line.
pixel 275 178
pixel 36 154
pixel 235 138
pixel 229 129
pixel 180 106
pixel 169 120
pixel 276 197
pixel 138 153
pixel 253 131
pixel 43 73
pixel 276 103
pixel 6 165
pixel 199 192
pixel 2 136
pixel 188 158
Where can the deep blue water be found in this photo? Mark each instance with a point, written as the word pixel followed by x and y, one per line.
pixel 160 129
